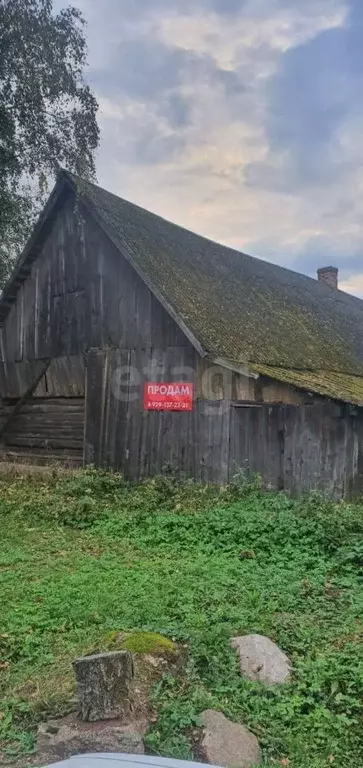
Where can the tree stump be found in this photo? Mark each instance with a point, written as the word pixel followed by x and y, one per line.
pixel 104 685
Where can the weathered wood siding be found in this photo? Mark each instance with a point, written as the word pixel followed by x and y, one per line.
pixel 214 382
pixel 300 449
pixel 82 293
pixel 64 377
pixel 46 428
pixel 296 448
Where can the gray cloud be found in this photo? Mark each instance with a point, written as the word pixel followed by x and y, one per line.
pixel 264 149
pixel 151 71
pixel 315 94
pixel 177 110
pixel 136 9
pixel 142 68
pixel 226 6
pixel 150 147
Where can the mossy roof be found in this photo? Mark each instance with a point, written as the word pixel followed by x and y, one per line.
pixel 236 306
pixel 338 386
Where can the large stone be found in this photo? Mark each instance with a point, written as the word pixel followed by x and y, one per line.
pixel 261 659
pixel 228 744
pixel 105 685
pixel 63 738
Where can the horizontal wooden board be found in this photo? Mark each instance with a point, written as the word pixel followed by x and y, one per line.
pixel 51 425
pixel 64 442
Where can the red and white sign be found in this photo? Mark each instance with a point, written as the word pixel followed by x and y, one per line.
pixel 175 396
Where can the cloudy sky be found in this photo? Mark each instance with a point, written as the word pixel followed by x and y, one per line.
pixel 239 119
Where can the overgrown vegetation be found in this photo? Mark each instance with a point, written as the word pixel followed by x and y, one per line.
pixel 87 555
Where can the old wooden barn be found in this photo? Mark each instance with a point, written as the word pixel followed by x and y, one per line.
pixel 131 343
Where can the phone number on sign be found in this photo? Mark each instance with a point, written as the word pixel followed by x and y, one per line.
pixel 168 406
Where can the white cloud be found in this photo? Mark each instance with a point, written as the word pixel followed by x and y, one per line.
pixel 260 24
pixel 201 180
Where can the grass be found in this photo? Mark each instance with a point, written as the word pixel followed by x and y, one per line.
pixel 85 555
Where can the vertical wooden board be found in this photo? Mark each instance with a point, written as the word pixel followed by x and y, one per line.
pixel 170 442
pixel 65 377
pixel 289 444
pixel 54 249
pixel 257 440
pixel 112 332
pixel 57 336
pixel 142 315
pixel 334 451
pixel 44 314
pixel 179 436
pixel 20 323
pixel 94 416
pixel 311 450
pixel 238 458
pixel 16 378
pixel 247 441
pixel 350 464
pixel 212 441
pixel 135 417
pixel 68 247
pixel 116 397
pixel 273 448
pixel 354 478
pixel 163 329
pixel 183 444
pixel 297 450
pixel 29 293
pixel 155 439
pixel 75 322
pixel 2 345
pixel 128 307
pixel 73 242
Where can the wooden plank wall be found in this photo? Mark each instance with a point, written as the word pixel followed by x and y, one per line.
pixel 300 449
pixel 81 293
pixel 47 428
pixel 297 448
pixel 120 434
pixel 64 377
pixel 50 421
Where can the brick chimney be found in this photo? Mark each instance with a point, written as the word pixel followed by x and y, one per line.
pixel 328 275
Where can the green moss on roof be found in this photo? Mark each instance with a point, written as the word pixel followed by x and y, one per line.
pixel 237 306
pixel 339 386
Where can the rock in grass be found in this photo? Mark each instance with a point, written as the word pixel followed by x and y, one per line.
pixel 228 744
pixel 105 685
pixel 261 659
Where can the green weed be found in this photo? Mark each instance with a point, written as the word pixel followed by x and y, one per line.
pixel 85 555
